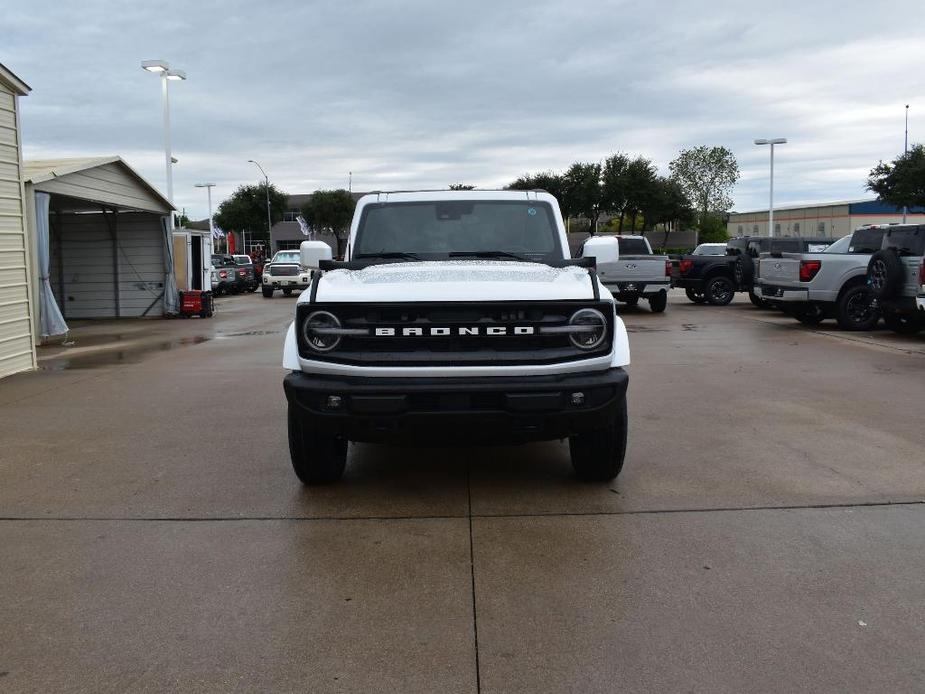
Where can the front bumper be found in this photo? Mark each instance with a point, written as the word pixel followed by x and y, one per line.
pixel 286 282
pixel 456 410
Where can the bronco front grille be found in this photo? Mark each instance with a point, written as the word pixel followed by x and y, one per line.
pixel 462 337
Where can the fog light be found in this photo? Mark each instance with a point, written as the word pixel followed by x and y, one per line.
pixel 333 402
pixel 578 399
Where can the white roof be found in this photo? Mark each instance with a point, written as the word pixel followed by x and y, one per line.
pixel 40 170
pixel 808 206
pixel 16 84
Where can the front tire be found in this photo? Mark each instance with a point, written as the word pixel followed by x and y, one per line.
pixel 855 309
pixel 287 292
pixel 903 323
pixel 720 291
pixel 659 302
pixel 697 297
pixel 267 292
pixel 316 458
pixel 810 315
pixel 597 456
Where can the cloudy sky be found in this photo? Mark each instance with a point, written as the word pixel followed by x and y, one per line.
pixel 425 93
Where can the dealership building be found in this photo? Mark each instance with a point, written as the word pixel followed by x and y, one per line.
pixel 831 219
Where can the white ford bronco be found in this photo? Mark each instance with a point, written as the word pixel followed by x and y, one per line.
pixel 456 317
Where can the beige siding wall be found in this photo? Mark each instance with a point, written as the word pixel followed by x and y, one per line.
pixel 830 221
pixel 17 351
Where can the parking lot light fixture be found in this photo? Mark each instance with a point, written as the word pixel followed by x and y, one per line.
pixel 771 141
pixel 267 181
pixel 162 68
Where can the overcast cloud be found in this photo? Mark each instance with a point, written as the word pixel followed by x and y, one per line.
pixel 424 94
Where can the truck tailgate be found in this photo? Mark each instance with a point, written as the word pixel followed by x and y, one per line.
pixel 639 269
pixel 774 270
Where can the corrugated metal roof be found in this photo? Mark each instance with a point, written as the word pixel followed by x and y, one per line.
pixel 40 170
pixel 784 208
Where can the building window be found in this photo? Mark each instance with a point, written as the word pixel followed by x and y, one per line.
pixel 796 228
pixel 820 227
pixel 290 215
pixel 740 230
pixel 755 229
pixel 777 229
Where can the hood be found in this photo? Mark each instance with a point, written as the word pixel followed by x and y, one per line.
pixel 456 280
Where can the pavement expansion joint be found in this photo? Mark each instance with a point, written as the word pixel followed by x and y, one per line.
pixel 470 516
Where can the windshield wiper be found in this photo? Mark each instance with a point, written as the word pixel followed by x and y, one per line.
pixel 389 255
pixel 490 254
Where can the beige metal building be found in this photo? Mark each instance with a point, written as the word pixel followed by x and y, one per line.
pixel 831 219
pixel 17 350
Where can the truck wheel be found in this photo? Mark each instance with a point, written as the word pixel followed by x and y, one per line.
pixel 267 292
pixel 885 273
pixel 598 455
pixel 695 296
pixel 287 291
pixel 856 310
pixel 658 302
pixel 720 291
pixel 903 323
pixel 756 301
pixel 811 314
pixel 630 301
pixel 316 459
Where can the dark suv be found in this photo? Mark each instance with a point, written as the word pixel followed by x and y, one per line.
pixel 895 275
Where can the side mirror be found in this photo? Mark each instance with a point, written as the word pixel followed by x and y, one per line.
pixel 311 253
pixel 604 249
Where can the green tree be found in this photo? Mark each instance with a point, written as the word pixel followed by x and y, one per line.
pixel 641 189
pixel 707 175
pixel 331 211
pixel 713 228
pixel 246 209
pixel 614 185
pixel 901 182
pixel 582 188
pixel 461 186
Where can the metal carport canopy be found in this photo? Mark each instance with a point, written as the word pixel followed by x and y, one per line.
pixel 109 212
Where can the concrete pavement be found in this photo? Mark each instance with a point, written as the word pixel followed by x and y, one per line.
pixel 765 535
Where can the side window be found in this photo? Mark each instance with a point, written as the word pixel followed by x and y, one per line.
pixel 820 227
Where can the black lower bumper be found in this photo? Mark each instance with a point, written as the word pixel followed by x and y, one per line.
pixel 458 410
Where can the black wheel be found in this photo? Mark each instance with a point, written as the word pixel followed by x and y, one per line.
pixel 696 296
pixel 810 314
pixel 720 291
pixel 744 270
pixel 658 302
pixel 903 323
pixel 287 291
pixel 598 455
pixel 316 459
pixel 267 292
pixel 255 287
pixel 757 301
pixel 631 301
pixel 856 309
pixel 885 273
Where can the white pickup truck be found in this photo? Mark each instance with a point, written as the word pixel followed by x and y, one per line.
pixel 457 317
pixel 628 268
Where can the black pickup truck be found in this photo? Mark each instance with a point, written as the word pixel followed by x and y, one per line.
pixel 708 277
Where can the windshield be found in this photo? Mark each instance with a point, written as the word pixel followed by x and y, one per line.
pixel 710 249
pixel 286 257
pixel 633 247
pixel 442 229
pixel 840 246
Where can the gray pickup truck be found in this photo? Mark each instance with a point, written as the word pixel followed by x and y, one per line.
pixel 896 275
pixel 629 269
pixel 814 286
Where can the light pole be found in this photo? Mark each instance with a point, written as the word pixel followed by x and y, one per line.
pixel 772 142
pixel 267 181
pixel 906 151
pixel 209 187
pixel 167 75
